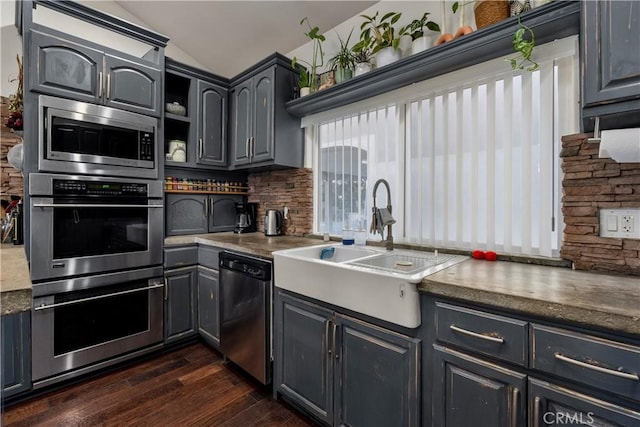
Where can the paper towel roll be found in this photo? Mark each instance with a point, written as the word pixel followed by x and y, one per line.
pixel 622 145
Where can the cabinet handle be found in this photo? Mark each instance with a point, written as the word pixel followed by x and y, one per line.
pixel 206 208
pixel 326 336
pixel 166 288
pixel 476 335
pixel 597 368
pixel 211 207
pixel 253 147
pixel 100 84
pixel 335 351
pixel 108 85
pixel 515 394
pixel 536 412
pixel 246 148
pixel 200 148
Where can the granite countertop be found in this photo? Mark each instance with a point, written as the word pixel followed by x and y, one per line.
pixel 250 243
pixel 602 301
pixel 15 283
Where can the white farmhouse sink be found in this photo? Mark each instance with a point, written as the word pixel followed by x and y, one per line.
pixel 371 281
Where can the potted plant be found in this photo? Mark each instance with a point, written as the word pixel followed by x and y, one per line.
pixel 344 61
pixel 385 41
pixel 416 29
pixel 362 54
pixel 303 81
pixel 317 58
pixel 524 47
pixel 486 12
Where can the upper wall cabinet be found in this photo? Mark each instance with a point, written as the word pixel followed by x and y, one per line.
pixel 262 133
pixel 66 67
pixel 610 40
pixel 195 118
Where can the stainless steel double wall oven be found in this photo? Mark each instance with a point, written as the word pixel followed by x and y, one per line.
pixel 95 239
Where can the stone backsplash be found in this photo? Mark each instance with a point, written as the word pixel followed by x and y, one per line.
pixel 292 188
pixel 11 182
pixel 590 184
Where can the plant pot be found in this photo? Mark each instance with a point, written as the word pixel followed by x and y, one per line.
pixel 489 12
pixel 362 68
pixel 421 44
pixel 405 46
pixel 342 74
pixel 387 55
pixel 304 91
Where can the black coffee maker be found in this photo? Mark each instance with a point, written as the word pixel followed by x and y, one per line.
pixel 245 218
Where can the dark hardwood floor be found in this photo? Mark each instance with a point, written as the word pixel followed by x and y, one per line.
pixel 191 386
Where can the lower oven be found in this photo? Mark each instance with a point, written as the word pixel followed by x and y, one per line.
pixel 82 324
pixel 87 225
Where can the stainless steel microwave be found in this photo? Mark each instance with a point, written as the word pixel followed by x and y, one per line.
pixel 78 137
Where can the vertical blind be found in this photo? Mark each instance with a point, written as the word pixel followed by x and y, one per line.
pixel 471 157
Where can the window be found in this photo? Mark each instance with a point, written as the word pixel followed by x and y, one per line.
pixel 471 156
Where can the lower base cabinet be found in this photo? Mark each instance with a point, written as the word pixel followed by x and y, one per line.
pixel 209 306
pixel 15 353
pixel 467 389
pixel 180 304
pixel 344 371
pixel 469 383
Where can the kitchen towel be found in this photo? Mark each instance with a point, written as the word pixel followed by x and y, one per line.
pixel 621 145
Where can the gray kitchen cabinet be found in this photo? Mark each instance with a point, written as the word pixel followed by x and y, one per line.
pixel 467 389
pixel 209 305
pixel 342 370
pixel 554 405
pixel 15 353
pixel 480 364
pixel 609 39
pixel 200 213
pixel 262 132
pixel 203 126
pixel 72 68
pixel 180 312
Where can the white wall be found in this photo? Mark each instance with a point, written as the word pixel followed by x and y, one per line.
pixel 440 12
pixel 10 45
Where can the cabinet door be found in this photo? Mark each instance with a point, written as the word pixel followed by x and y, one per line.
pixel 63 68
pixel 186 214
pixel 304 361
pixel 15 353
pixel 132 86
pixel 180 304
pixel 467 391
pixel 241 122
pixel 376 381
pixel 209 306
pixel 212 123
pixel 222 210
pixel 551 405
pixel 263 119
pixel 610 39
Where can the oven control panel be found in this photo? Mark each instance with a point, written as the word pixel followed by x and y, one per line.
pixel 98 188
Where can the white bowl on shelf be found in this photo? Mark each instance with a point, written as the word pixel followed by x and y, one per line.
pixel 175 108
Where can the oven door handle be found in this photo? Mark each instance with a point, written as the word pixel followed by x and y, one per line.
pixel 89 205
pixel 61 304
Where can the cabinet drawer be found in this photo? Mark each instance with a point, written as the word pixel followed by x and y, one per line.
pixel 587 359
pixel 208 256
pixel 180 256
pixel 495 336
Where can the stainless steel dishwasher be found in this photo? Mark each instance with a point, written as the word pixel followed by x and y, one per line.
pixel 245 313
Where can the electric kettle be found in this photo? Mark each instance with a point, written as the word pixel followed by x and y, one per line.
pixel 273 223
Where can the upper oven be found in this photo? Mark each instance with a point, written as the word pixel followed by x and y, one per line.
pixel 77 137
pixel 85 225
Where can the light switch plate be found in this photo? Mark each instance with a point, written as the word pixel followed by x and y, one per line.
pixel 620 223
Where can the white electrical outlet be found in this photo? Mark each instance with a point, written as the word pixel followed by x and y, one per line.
pixel 620 223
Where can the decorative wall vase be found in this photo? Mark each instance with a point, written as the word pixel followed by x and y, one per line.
pixel 387 55
pixel 405 45
pixel 362 68
pixel 421 44
pixel 343 74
